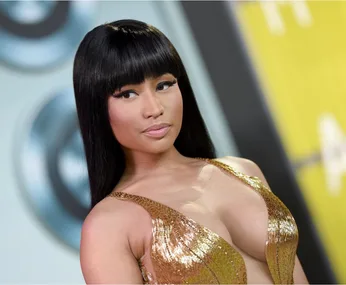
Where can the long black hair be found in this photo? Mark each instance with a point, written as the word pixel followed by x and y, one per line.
pixel 109 57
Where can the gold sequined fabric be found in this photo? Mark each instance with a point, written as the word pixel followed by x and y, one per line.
pixel 282 240
pixel 185 252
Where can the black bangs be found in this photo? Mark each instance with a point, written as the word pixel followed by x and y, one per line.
pixel 134 56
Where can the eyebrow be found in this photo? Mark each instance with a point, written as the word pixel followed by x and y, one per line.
pixel 129 85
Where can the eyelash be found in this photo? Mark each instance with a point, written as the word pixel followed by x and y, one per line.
pixel 163 83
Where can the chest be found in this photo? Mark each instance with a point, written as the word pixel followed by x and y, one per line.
pixel 225 223
pixel 189 245
pixel 232 210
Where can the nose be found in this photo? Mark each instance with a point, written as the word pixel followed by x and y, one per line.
pixel 152 106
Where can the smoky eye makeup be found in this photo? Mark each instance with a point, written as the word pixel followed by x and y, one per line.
pixel 127 93
pixel 166 82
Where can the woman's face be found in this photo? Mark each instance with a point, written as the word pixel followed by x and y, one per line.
pixel 156 103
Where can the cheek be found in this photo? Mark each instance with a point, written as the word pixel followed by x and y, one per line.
pixel 115 114
pixel 120 119
pixel 177 108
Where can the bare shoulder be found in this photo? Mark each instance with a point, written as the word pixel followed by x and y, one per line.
pixel 105 252
pixel 98 221
pixel 104 226
pixel 245 166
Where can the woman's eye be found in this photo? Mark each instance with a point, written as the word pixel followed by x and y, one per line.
pixel 165 85
pixel 126 95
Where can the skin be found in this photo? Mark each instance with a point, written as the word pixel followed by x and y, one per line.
pixel 154 101
pixel 155 169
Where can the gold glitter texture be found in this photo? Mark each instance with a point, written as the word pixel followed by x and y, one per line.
pixel 185 252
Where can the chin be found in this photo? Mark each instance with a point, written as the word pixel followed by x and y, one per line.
pixel 157 148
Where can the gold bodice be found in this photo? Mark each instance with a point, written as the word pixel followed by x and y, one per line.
pixel 185 252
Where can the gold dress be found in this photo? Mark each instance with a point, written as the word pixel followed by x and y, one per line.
pixel 185 252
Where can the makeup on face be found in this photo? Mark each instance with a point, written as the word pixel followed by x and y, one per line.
pixel 161 83
pixel 147 116
pixel 157 130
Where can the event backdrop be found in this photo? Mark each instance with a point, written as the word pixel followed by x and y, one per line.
pixel 298 50
pixel 43 173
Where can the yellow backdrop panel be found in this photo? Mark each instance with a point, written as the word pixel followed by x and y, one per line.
pixel 298 51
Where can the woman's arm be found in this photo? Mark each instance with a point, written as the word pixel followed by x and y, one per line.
pixel 105 253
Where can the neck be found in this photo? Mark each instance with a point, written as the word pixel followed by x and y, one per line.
pixel 140 164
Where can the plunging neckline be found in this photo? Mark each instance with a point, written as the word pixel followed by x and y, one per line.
pixel 231 247
pixel 178 213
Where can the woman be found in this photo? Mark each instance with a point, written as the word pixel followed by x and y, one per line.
pixel 159 214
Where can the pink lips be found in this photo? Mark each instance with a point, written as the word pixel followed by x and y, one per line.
pixel 157 131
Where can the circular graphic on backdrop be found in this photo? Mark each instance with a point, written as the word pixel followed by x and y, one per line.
pixel 53 168
pixel 39 34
